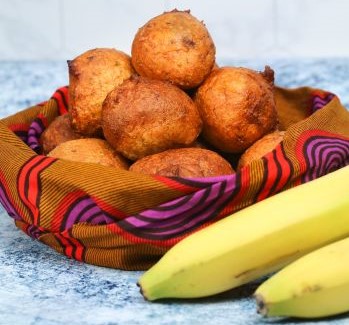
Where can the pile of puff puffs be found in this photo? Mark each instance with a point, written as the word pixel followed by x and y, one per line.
pixel 168 109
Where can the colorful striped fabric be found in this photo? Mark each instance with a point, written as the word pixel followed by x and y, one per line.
pixel 118 219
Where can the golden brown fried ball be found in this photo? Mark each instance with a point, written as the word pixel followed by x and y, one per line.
pixel 89 150
pixel 183 162
pixel 237 107
pixel 92 75
pixel 175 47
pixel 144 116
pixel 59 131
pixel 261 148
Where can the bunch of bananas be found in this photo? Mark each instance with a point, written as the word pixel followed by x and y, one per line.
pixel 291 226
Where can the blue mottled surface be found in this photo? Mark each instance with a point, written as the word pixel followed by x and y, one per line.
pixel 39 286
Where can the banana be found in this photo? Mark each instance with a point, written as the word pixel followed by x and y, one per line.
pixel 254 241
pixel 316 285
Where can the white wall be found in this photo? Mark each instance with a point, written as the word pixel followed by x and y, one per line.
pixel 62 29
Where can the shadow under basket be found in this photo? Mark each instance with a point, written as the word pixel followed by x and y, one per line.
pixel 119 219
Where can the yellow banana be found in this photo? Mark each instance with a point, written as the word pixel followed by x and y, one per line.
pixel 316 285
pixel 254 241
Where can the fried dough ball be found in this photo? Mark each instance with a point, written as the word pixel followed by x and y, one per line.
pixel 237 107
pixel 175 47
pixel 89 150
pixel 183 162
pixel 59 131
pixel 261 148
pixel 92 75
pixel 144 116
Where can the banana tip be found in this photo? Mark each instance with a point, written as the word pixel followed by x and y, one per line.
pixel 261 305
pixel 142 291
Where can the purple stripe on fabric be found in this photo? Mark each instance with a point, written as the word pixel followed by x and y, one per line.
pixel 181 209
pixel 201 218
pixel 212 180
pixel 180 216
pixel 325 151
pixel 84 210
pixel 333 144
pixel 230 180
pixel 7 205
pixel 101 219
pixel 319 102
pixel 34 232
pixel 88 213
pixel 35 127
pixel 74 213
pixel 209 207
pixel 175 201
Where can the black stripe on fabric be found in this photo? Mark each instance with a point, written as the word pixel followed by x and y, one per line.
pixel 21 134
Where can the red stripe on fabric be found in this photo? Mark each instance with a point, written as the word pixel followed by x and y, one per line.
pixel 34 186
pixel 320 93
pixel 33 181
pixel 44 120
pixel 19 127
pixel 67 247
pixel 272 173
pixel 245 184
pixel 79 248
pixel 58 96
pixel 62 208
pixel 104 206
pixel 22 180
pixel 186 189
pixel 285 169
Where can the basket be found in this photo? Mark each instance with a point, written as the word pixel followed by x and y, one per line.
pixel 115 218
